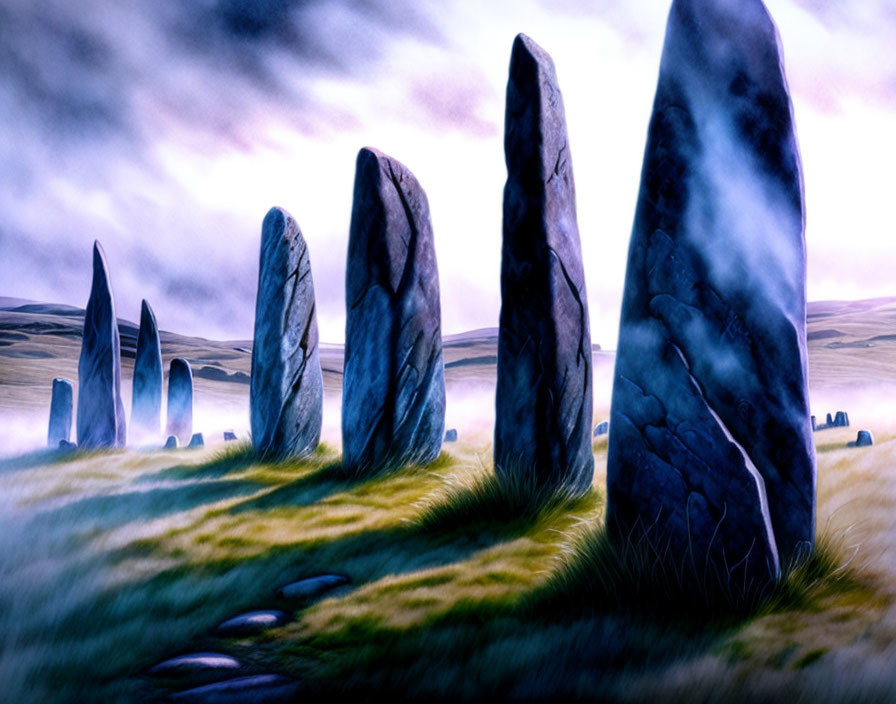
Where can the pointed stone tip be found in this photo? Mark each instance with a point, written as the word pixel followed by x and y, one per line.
pixel 181 366
pixel 525 46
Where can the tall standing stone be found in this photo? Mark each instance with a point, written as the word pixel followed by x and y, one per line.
pixel 101 419
pixel 180 401
pixel 286 392
pixel 146 403
pixel 544 398
pixel 393 408
pixel 711 450
pixel 60 413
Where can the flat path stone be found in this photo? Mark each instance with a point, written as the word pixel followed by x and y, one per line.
pixel 312 586
pixel 255 689
pixel 253 622
pixel 195 662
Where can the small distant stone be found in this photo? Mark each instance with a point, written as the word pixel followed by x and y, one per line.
pixel 841 420
pixel 602 428
pixel 171 442
pixel 863 439
pixel 229 436
pixel 829 421
pixel 312 586
pixel 254 689
pixel 814 424
pixel 66 445
pixel 195 662
pixel 197 440
pixel 253 622
pixel 451 435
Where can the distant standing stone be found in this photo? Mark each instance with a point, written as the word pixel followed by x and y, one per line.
pixel 829 421
pixel 711 451
pixel 60 413
pixel 286 383
pixel 180 400
pixel 864 439
pixel 229 436
pixel 814 423
pixel 146 405
pixel 602 428
pixel 543 401
pixel 101 420
pixel 841 420
pixel 393 399
pixel 196 441
pixel 171 443
pixel 451 435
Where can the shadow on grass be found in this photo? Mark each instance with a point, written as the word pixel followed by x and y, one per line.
pixel 105 512
pixel 599 623
pixel 45 456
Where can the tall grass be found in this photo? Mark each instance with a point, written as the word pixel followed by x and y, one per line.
pixel 483 501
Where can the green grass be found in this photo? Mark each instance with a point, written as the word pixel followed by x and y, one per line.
pixel 463 586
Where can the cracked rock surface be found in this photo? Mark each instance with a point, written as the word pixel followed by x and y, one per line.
pixel 544 396
pixel 286 383
pixel 146 406
pixel 393 409
pixel 101 420
pixel 180 401
pixel 711 449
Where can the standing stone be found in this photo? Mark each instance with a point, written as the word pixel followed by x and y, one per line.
pixel 451 435
pixel 171 443
pixel 196 441
pixel 146 404
pixel 711 451
pixel 841 420
pixel 180 401
pixel 286 392
pixel 864 439
pixel 602 428
pixel 393 398
pixel 101 419
pixel 60 413
pixel 814 423
pixel 829 421
pixel 543 400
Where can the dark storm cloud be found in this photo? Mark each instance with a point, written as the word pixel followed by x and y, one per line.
pixel 75 67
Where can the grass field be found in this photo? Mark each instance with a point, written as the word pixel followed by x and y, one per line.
pixel 111 562
pixel 115 561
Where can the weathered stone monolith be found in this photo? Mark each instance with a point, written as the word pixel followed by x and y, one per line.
pixel 180 401
pixel 286 392
pixel 146 402
pixel 711 452
pixel 393 409
pixel 543 400
pixel 60 413
pixel 101 419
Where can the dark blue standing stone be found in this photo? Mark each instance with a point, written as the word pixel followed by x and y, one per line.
pixel 544 398
pixel 101 419
pixel 180 401
pixel 451 435
pixel 146 402
pixel 286 392
pixel 393 399
pixel 60 413
pixel 841 420
pixel 711 451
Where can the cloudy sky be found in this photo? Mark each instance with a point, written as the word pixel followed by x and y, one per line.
pixel 167 129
